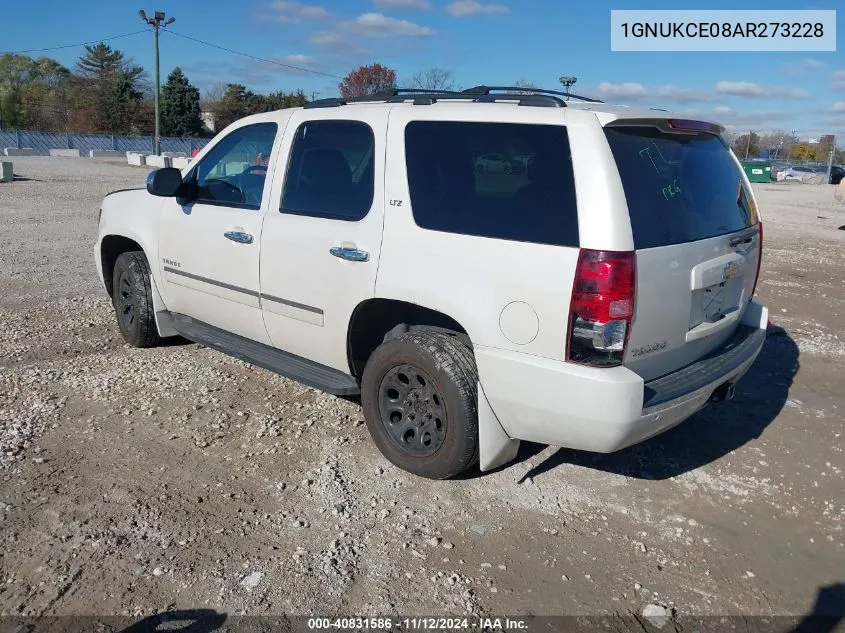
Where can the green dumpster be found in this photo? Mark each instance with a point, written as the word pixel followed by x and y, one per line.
pixel 758 171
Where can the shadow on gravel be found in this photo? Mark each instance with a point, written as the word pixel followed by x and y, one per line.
pixel 827 613
pixel 842 228
pixel 188 621
pixel 708 435
pixel 17 178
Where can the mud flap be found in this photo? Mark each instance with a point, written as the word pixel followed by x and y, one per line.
pixel 495 448
pixel 164 320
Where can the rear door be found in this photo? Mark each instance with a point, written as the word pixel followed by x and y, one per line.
pixel 322 235
pixel 695 228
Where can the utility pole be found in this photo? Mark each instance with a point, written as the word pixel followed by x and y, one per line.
pixel 156 22
pixel 748 144
pixel 830 157
pixel 568 82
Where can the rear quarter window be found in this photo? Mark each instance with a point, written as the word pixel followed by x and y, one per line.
pixel 497 180
pixel 679 187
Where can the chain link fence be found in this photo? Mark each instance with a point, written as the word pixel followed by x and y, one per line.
pixel 43 142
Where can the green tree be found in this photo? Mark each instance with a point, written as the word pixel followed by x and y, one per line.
pixel 180 106
pixel 102 62
pixel 236 103
pixel 119 103
pixel 747 145
pixel 109 89
pixel 280 100
pixel 10 109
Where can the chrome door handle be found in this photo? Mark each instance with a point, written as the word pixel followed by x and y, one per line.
pixel 351 254
pixel 238 236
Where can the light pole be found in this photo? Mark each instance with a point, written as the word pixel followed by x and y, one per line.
pixel 156 22
pixel 568 82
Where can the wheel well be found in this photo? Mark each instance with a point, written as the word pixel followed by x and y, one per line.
pixel 377 320
pixel 110 249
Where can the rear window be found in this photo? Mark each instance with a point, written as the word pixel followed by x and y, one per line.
pixel 499 180
pixel 679 187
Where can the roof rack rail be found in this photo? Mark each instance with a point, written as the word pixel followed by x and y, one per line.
pixel 428 97
pixel 486 90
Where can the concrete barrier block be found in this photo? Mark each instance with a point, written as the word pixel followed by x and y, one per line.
pixel 175 154
pixel 136 159
pixel 70 153
pixel 158 161
pixel 180 162
pixel 7 173
pixel 104 153
pixel 20 151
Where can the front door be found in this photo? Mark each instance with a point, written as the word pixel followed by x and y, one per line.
pixel 322 234
pixel 209 244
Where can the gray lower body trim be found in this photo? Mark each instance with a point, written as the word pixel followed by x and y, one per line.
pixel 292 304
pixel 246 291
pixel 213 282
pixel 743 346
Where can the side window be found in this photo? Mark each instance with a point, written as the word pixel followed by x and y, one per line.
pixel 234 171
pixel 331 171
pixel 510 181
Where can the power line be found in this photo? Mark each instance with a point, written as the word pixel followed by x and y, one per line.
pixel 55 48
pixel 260 59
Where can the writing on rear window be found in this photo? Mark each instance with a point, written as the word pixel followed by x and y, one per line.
pixel 679 187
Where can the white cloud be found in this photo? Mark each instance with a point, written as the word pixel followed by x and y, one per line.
pixel 298 60
pixel 635 91
pixel 628 90
pixel 755 118
pixel 402 4
pixel 295 12
pixel 740 89
pixel 336 42
pixel 379 25
pixel 803 66
pixel 839 106
pixel 722 110
pixel 462 8
pixel 752 90
pixel 838 82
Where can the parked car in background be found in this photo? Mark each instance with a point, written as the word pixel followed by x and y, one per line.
pixel 499 164
pixel 836 174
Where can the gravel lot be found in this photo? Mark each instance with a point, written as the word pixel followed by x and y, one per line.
pixel 135 481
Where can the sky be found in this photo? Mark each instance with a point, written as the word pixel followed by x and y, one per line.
pixel 492 42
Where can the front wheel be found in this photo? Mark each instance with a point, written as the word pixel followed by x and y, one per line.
pixel 132 298
pixel 419 392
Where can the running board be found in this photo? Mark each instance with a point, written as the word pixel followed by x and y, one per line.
pixel 279 362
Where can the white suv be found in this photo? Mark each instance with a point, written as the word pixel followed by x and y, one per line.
pixel 592 300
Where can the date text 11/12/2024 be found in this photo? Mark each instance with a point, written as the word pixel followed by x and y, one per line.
pixel 417 624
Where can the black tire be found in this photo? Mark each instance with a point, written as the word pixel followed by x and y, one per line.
pixel 442 387
pixel 132 298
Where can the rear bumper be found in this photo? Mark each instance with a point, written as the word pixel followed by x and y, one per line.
pixel 605 410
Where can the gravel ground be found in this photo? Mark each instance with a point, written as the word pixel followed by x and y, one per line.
pixel 136 481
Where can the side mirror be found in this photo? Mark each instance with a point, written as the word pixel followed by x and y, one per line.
pixel 165 182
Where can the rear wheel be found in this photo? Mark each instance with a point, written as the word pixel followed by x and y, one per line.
pixel 132 298
pixel 419 393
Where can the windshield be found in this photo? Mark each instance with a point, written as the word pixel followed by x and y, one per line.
pixel 679 187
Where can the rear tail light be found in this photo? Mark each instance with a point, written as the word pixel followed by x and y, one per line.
pixel 602 308
pixel 759 258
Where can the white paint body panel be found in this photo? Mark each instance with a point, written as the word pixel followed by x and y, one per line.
pixel 527 389
pixel 320 291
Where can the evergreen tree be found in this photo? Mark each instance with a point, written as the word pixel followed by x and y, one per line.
pixel 110 87
pixel 279 100
pixel 180 106
pixel 119 103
